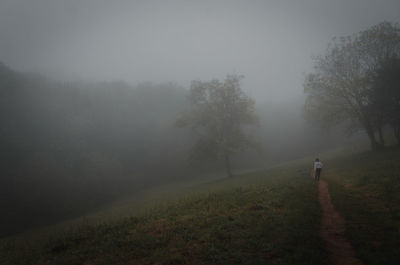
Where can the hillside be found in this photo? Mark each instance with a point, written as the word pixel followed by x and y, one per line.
pixel 269 217
pixel 248 219
pixel 365 188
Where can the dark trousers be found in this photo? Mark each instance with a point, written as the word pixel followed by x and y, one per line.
pixel 317 173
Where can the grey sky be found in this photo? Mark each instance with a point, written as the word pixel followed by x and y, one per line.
pixel 270 42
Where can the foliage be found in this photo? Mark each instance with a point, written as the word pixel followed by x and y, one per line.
pixel 339 89
pixel 219 111
pixel 386 93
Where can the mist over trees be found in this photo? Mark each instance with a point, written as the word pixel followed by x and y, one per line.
pixel 218 113
pixel 345 86
pixel 68 147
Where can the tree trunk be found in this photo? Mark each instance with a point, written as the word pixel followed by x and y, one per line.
pixel 371 136
pixel 228 166
pixel 396 130
pixel 381 140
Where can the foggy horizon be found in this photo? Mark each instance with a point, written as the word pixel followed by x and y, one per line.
pixel 195 132
pixel 269 42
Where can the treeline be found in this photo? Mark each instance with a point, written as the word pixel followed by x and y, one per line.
pixel 67 147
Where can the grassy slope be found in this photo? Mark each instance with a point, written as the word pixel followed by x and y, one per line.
pixel 269 217
pixel 365 188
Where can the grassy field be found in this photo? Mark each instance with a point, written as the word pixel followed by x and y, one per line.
pixel 365 188
pixel 269 217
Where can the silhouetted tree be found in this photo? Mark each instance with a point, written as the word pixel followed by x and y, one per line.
pixel 386 94
pixel 339 89
pixel 219 111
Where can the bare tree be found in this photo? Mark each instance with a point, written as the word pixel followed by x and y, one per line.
pixel 339 89
pixel 219 113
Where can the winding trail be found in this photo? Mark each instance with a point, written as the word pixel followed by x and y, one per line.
pixel 332 231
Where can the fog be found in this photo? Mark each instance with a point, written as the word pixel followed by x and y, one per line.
pixel 90 91
pixel 270 42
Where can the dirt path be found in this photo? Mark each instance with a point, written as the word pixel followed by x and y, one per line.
pixel 332 231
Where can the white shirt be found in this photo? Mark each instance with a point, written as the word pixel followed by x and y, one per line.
pixel 317 165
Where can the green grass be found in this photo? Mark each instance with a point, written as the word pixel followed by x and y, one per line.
pixel 269 217
pixel 365 188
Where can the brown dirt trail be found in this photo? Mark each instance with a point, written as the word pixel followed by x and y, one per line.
pixel 332 231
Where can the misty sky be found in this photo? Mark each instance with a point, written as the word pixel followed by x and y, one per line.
pixel 270 41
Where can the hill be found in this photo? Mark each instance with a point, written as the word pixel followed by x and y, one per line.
pixel 268 217
pixel 365 188
pixel 249 219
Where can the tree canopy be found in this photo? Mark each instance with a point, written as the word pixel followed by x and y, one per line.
pixel 339 90
pixel 219 113
pixel 386 94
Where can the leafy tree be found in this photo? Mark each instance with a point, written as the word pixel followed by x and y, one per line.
pixel 219 113
pixel 339 89
pixel 386 93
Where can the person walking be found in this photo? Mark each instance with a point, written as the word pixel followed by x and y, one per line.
pixel 317 169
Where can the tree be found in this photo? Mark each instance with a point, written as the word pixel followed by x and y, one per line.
pixel 386 93
pixel 339 89
pixel 219 113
